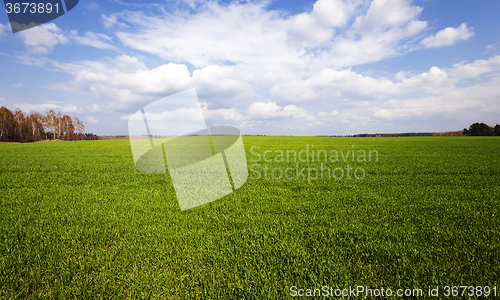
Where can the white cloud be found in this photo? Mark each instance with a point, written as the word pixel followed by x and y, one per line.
pixel 193 3
pixel 41 108
pixel 92 6
pixel 42 39
pixel 125 117
pixel 70 108
pixel 370 47
pixel 448 36
pixel 491 48
pixel 251 47
pixel 335 13
pixel 384 14
pixel 98 40
pixel 3 29
pixel 401 75
pixel 216 82
pixel 238 33
pixel 91 119
pixel 460 105
pixel 124 79
pixel 327 114
pixel 291 119
pixel 28 59
pixel 111 21
pixel 94 108
pixel 272 110
pixel 383 31
pixel 428 81
pixel 311 29
pixel 428 101
pixel 394 109
pixel 306 30
pixel 221 114
pixel 333 85
pixel 18 85
pixel 476 68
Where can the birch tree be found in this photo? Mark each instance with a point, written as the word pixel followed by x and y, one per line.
pixel 35 122
pixel 6 125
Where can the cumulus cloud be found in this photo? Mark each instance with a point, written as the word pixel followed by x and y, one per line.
pixel 333 85
pixel 448 36
pixel 70 108
pixel 426 101
pixel 384 14
pixel 476 68
pixel 124 79
pixel 428 81
pixel 216 82
pixel 306 30
pixel 239 48
pixel 221 114
pixel 272 110
pixel 216 34
pixel 42 39
pixel 457 105
pixel 370 47
pixel 380 32
pixel 249 34
pixel 335 13
pixel 311 29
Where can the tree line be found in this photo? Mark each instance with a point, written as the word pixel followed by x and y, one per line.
pixel 481 129
pixel 19 127
pixel 476 129
pixel 393 134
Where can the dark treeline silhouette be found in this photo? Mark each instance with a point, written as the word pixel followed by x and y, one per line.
pixel 481 129
pixel 19 127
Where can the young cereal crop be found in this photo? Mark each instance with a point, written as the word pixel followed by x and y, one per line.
pixel 79 221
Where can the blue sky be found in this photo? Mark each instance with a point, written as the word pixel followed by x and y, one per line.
pixel 330 67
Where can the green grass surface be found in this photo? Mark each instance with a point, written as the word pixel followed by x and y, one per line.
pixel 77 220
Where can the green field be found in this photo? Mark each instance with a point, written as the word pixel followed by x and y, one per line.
pixel 79 221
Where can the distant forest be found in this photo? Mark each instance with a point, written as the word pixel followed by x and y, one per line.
pixel 476 129
pixel 18 127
